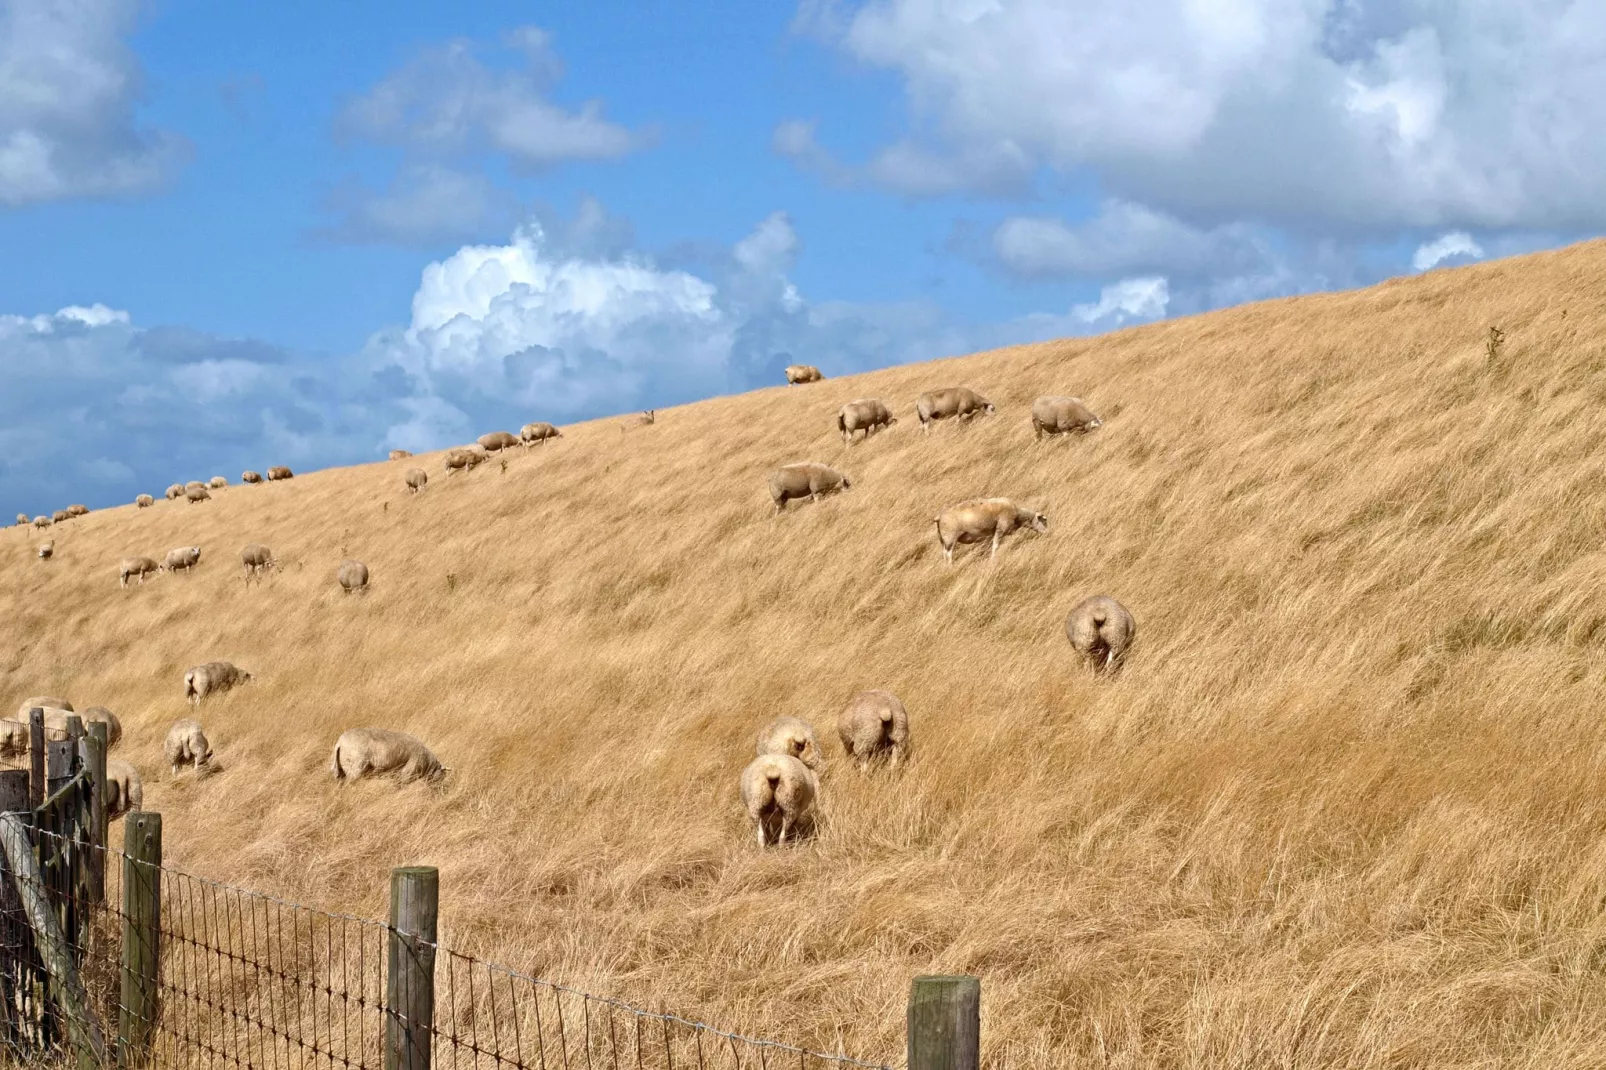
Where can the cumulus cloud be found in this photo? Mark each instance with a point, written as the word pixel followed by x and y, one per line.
pixel 1456 244
pixel 1360 114
pixel 1123 238
pixel 425 204
pixel 68 89
pixel 1127 300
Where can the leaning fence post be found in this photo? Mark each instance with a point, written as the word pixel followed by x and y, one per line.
pixel 945 1023
pixel 142 931
pixel 94 755
pixel 36 753
pixel 410 989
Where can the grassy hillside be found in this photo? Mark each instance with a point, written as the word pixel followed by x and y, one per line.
pixel 1344 808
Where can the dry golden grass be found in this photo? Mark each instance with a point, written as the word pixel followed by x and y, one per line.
pixel 1343 809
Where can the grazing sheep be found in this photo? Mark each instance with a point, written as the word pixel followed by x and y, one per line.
pixel 249 476
pixel 194 484
pixel 1061 415
pixel 144 501
pixel 60 516
pixel 873 724
pixel 960 401
pixel 416 479
pixel 42 521
pixel 77 510
pixel 981 518
pixel 1101 630
pixel 186 744
pixel 136 568
pixel 648 417
pixel 22 519
pixel 46 702
pixel 175 491
pixel 532 434
pixel 56 723
pixel 788 735
pixel 278 472
pixel 808 479
pixel 496 441
pixel 361 752
pixel 124 792
pixel 256 559
pixel 217 482
pixel 47 550
pixel 397 455
pixel 352 576
pixel 196 494
pixel 777 789
pixel 802 373
pixel 867 414
pixel 183 557
pixel 212 678
pixel 463 458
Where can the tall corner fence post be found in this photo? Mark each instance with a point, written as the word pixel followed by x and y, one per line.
pixel 36 754
pixel 60 757
pixel 410 982
pixel 94 755
pixel 142 934
pixel 14 959
pixel 945 1023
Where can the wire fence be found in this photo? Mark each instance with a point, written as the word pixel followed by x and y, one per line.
pixel 247 980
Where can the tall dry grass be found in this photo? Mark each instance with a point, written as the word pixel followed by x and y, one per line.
pixel 1344 808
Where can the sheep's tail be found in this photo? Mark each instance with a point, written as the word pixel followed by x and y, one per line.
pixel 1099 617
pixel 334 764
pixel 841 423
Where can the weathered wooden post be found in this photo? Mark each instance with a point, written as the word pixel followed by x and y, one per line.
pixel 94 759
pixel 410 988
pixel 60 757
pixel 36 753
pixel 16 958
pixel 945 1023
pixel 142 935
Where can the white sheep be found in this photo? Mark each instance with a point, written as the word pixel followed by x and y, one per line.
pixel 124 792
pixel 186 744
pixel 363 752
pixel 212 678
pixel 874 724
pixel 789 735
pixel 779 790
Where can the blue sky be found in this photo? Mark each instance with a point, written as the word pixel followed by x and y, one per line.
pixel 233 236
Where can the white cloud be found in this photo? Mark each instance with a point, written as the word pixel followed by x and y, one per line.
pixel 1457 243
pixel 1365 114
pixel 1125 301
pixel 1123 238
pixel 908 167
pixel 68 88
pixel 425 204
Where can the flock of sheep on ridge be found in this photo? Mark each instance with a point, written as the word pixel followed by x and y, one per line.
pixel 781 785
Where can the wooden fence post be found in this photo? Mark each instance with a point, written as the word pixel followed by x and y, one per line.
pixel 36 753
pixel 61 757
pixel 945 1023
pixel 410 989
pixel 142 935
pixel 94 757
pixel 16 959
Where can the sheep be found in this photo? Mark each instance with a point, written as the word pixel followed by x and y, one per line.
pixel 186 744
pixel 788 735
pixel 278 472
pixel 352 576
pixel 808 479
pixel 1101 630
pixel 182 557
pixel 361 752
pixel 22 520
pixel 47 550
pixel 77 510
pixel 217 482
pixel 42 521
pixel 397 455
pixel 416 479
pixel 778 789
pixel 56 723
pixel 866 414
pixel 196 494
pixel 463 458
pixel 249 476
pixel 979 518
pixel 650 416
pixel 874 723
pixel 1055 415
pixel 135 568
pixel 144 501
pixel 124 792
pixel 537 434
pixel 212 678
pixel 802 373
pixel 60 516
pixel 15 738
pixel 256 560
pixel 496 441
pixel 960 401
pixel 194 484
pixel 174 492
pixel 46 702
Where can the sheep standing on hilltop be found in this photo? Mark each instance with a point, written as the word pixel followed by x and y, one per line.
pixel 60 516
pixel 416 479
pixel 789 735
pixel 77 510
pixel 256 559
pixel 537 434
pixel 42 521
pixel 196 494
pixel 278 472
pixel 352 576
pixel 47 550
pixel 363 752
pixel 183 557
pixel 779 793
pixel 22 520
pixel 463 458
pixel 1062 416
pixel 144 501
pixel 124 792
pixel 866 414
pixel 874 725
pixel 212 678
pixel 249 476
pixel 981 518
pixel 802 373
pixel 959 402
pixel 397 455
pixel 186 744
pixel 808 479
pixel 217 482
pixel 496 441
pixel 136 568
pixel 1101 630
